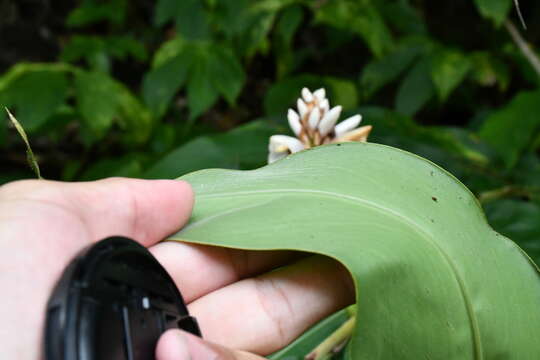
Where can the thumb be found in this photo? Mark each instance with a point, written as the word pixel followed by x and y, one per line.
pixel 145 210
pixel 179 345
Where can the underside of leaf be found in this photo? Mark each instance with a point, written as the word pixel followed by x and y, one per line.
pixel 433 280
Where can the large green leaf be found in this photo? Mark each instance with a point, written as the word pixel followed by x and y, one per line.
pixel 433 280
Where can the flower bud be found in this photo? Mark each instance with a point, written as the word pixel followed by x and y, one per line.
pixel 294 122
pixel 320 94
pixel 314 117
pixel 307 95
pixel 347 125
pixel 329 120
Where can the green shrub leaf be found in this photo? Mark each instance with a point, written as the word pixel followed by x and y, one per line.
pixel 256 23
pixel 192 20
pixel 510 129
pixel 416 89
pixel 518 219
pixel 35 91
pixel 448 70
pixel 202 93
pixel 361 17
pixel 101 100
pixel 288 24
pixel 382 71
pixel 163 82
pixel 488 70
pixel 166 10
pixel 97 100
pixel 169 50
pixel 496 10
pixel 241 148
pixel 226 73
pixel 91 12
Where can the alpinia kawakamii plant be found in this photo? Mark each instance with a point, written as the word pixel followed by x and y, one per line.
pixel 315 124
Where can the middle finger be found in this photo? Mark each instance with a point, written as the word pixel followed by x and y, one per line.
pixel 265 313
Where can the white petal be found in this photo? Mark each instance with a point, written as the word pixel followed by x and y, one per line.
pixel 307 95
pixel 329 120
pixel 320 94
pixel 284 143
pixel 347 125
pixel 272 157
pixel 302 107
pixel 314 117
pixel 324 105
pixel 294 121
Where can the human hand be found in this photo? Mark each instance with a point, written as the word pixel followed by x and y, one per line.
pixel 43 224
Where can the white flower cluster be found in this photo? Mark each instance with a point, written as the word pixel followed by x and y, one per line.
pixel 315 124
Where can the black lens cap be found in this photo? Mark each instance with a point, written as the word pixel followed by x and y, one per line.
pixel 113 302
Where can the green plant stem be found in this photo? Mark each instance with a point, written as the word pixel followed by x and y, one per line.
pixel 334 342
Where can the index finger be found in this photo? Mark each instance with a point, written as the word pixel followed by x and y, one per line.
pixel 200 269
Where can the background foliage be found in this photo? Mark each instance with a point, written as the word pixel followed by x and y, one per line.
pixel 160 88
